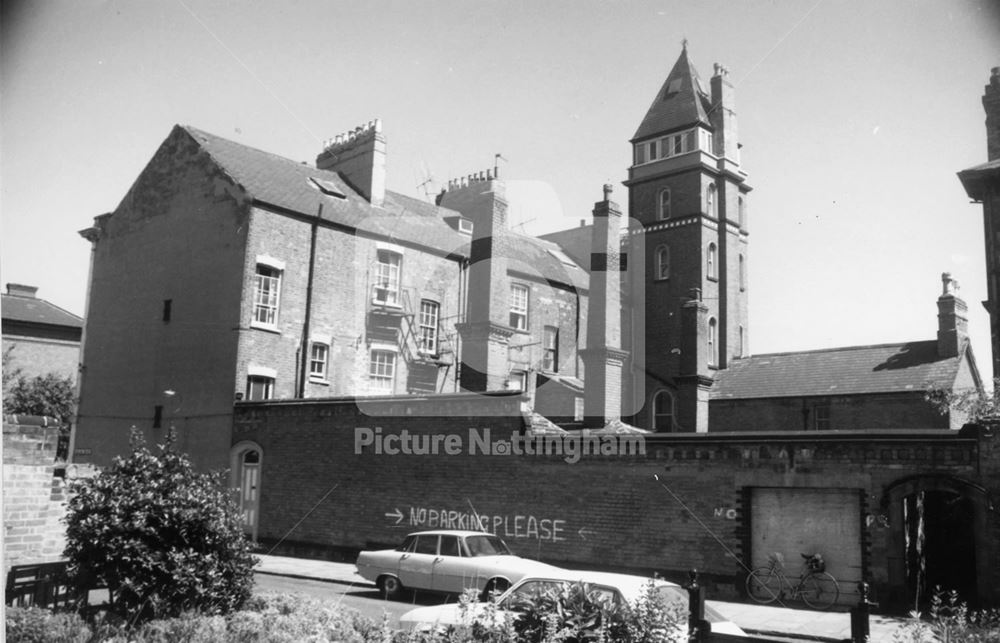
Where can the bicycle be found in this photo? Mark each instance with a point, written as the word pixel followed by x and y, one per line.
pixel 816 587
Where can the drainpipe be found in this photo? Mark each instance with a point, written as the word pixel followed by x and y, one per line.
pixel 304 361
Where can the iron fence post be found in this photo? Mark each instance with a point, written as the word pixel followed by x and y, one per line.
pixel 698 627
pixel 860 631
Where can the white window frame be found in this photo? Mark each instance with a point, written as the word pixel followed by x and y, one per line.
pixel 266 381
pixel 662 266
pixel 712 261
pixel 663 394
pixel 520 296
pixel 388 277
pixel 318 363
pixel 550 349
pixel 382 369
pixel 517 381
pixel 676 144
pixel 427 326
pixel 711 201
pixel 267 295
pixel 663 205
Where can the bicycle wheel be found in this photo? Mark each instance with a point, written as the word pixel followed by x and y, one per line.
pixel 764 585
pixel 820 590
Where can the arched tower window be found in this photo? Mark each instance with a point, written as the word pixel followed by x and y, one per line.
pixel 663 262
pixel 742 211
pixel 713 342
pixel 743 341
pixel 663 207
pixel 711 262
pixel 743 273
pixel 711 206
pixel 663 411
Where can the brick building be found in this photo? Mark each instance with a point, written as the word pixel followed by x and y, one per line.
pixel 229 273
pixel 42 338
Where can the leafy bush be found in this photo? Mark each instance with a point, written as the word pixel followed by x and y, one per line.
pixel 36 625
pixel 950 620
pixel 51 395
pixel 162 538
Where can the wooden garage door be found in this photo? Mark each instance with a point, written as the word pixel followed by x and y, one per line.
pixel 794 521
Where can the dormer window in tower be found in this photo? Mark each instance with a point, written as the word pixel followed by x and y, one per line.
pixel 706 141
pixel 662 262
pixel 711 207
pixel 711 269
pixel 663 211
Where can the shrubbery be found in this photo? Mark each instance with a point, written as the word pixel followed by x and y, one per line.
pixel 950 619
pixel 162 538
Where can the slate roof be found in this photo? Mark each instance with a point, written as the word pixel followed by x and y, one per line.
pixel 683 101
pixel 37 311
pixel 278 181
pixel 885 368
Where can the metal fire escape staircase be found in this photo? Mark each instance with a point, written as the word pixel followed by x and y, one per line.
pixel 395 323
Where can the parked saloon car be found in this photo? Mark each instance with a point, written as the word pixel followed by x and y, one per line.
pixel 620 588
pixel 447 561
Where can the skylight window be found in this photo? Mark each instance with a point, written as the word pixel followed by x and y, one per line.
pixel 561 256
pixel 328 188
pixel 674 86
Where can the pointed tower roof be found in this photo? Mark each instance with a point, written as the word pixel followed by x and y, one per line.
pixel 682 101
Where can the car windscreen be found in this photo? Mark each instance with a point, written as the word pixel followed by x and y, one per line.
pixel 531 591
pixel 486 546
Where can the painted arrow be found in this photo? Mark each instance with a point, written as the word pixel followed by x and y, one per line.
pixel 584 531
pixel 398 515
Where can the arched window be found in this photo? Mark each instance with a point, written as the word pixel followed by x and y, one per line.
pixel 711 261
pixel 710 201
pixel 743 341
pixel 713 342
pixel 743 211
pixel 663 262
pixel 663 209
pixel 663 411
pixel 743 273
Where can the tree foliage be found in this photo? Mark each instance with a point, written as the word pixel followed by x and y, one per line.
pixel 52 395
pixel 162 538
pixel 977 405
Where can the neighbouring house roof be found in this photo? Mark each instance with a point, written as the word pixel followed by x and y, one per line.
pixel 31 310
pixel 277 181
pixel 854 370
pixel 681 102
pixel 975 179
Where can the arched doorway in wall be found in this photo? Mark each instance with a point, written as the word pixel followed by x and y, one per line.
pixel 938 524
pixel 245 465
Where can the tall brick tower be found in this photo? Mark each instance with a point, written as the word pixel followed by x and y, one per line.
pixel 982 183
pixel 688 204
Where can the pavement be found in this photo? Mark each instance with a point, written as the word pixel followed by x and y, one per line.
pixel 762 620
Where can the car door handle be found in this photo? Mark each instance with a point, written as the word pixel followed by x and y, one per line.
pixel 438 559
pixel 404 557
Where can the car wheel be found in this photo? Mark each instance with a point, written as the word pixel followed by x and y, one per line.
pixel 495 586
pixel 389 586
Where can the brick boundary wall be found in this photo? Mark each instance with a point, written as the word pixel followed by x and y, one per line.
pixel 33 495
pixel 323 495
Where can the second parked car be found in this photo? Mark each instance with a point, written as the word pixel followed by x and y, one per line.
pixel 447 561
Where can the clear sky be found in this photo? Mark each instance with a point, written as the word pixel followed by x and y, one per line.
pixel 854 117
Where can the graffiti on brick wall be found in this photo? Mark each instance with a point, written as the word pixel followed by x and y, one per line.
pixel 507 525
pixel 724 512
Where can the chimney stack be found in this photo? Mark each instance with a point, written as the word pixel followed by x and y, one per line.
pixel 991 103
pixel 20 290
pixel 603 357
pixel 359 156
pixel 486 331
pixel 953 319
pixel 723 115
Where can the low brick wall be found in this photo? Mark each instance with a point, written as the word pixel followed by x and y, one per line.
pixel 323 493
pixel 34 497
